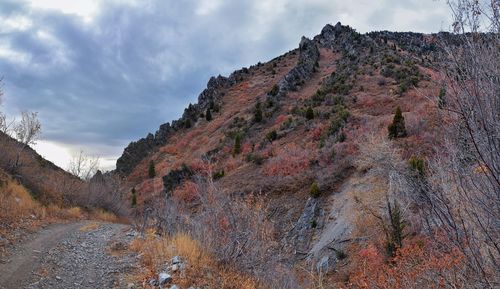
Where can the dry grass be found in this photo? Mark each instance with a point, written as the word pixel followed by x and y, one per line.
pixel 201 267
pixel 89 227
pixel 101 215
pixel 16 202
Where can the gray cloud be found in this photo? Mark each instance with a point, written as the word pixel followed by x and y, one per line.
pixel 109 81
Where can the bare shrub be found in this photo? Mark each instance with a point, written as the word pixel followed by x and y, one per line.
pixel 234 228
pixel 464 184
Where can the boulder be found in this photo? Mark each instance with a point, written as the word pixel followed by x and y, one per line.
pixel 164 278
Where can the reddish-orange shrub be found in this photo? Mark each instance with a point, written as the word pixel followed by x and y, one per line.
pixel 419 264
pixel 169 149
pixel 246 148
pixel 188 192
pixel 317 132
pixel 201 167
pixel 280 119
pixel 289 160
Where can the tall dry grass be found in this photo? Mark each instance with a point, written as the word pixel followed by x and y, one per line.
pixel 16 203
pixel 201 268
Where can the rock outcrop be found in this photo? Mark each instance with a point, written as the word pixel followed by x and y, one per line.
pixel 306 65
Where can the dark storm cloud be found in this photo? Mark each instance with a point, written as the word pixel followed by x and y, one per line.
pixel 134 66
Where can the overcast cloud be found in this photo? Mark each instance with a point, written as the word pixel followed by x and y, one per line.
pixel 104 73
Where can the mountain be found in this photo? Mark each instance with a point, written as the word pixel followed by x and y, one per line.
pixel 301 133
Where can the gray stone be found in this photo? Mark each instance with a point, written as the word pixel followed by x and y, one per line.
pixel 164 278
pixel 176 260
pixel 323 265
pixel 174 268
pixel 153 282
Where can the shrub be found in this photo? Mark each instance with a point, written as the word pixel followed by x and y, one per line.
pixel 237 145
pixel 341 137
pixel 417 165
pixel 340 254
pixel 274 91
pixel 217 175
pixel 314 191
pixel 257 113
pixel 134 198
pixel 309 113
pixel 257 159
pixel 272 135
pixel 208 115
pixel 289 160
pixel 175 177
pixel 403 87
pixel 151 169
pixel 187 192
pixel 397 127
pixel 441 97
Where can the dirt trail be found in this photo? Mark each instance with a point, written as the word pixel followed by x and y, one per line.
pixel 75 255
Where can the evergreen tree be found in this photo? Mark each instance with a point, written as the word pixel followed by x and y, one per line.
pixel 237 145
pixel 441 98
pixel 397 127
pixel 309 113
pixel 395 235
pixel 208 115
pixel 151 170
pixel 315 192
pixel 134 197
pixel 258 113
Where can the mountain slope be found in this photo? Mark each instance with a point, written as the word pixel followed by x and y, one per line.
pixel 300 132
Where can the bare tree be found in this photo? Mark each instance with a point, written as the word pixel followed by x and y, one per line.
pixel 83 166
pixel 3 123
pixel 27 131
pixel 464 184
pixel 3 120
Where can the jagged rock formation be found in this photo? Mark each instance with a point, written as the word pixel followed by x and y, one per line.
pixel 308 61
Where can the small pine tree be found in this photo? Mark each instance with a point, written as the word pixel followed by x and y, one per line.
pixel 397 224
pixel 134 198
pixel 151 170
pixel 397 127
pixel 309 113
pixel 315 192
pixel 208 115
pixel 441 98
pixel 237 145
pixel 274 91
pixel 417 165
pixel 258 113
pixel 272 135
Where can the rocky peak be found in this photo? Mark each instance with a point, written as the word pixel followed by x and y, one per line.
pixel 335 37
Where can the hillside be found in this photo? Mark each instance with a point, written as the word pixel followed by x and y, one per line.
pixel 34 192
pixel 301 140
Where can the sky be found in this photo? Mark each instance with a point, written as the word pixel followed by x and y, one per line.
pixel 103 73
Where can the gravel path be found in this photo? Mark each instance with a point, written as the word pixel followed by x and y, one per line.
pixel 76 255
